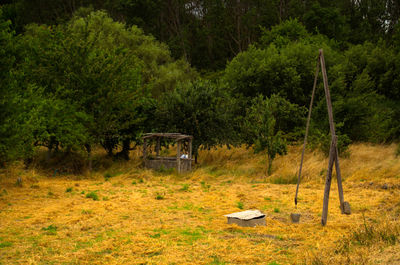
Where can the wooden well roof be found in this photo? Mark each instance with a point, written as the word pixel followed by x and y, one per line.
pixel 176 136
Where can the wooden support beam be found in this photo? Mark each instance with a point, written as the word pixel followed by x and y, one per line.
pixel 328 180
pixel 178 156
pixel 306 134
pixel 190 154
pixel 339 180
pixel 144 149
pixel 334 138
pixel 158 146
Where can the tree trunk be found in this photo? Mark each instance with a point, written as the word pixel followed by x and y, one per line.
pixel 89 151
pixel 126 144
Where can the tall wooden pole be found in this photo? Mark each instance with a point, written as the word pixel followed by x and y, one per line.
pixel 306 134
pixel 333 153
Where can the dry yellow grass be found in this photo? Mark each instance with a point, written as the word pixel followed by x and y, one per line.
pixel 146 217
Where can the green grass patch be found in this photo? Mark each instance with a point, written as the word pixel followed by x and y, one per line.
pixel 92 195
pixel 216 261
pixel 50 230
pixel 159 196
pixel 286 180
pixel 5 244
pixel 240 205
pixel 68 189
pixel 205 187
pixel 189 235
pixel 185 187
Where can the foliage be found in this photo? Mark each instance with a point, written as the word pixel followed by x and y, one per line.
pixel 89 81
pixel 200 109
pixel 260 128
pixel 208 33
pixel 12 136
pixel 284 33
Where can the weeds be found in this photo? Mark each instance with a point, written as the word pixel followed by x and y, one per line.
pixel 240 205
pixel 185 187
pixel 205 187
pixel 107 176
pixel 68 189
pixel 281 180
pixel 216 261
pixel 93 195
pixel 5 244
pixel 159 196
pixel 50 230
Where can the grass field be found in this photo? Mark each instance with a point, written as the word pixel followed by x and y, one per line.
pixel 127 215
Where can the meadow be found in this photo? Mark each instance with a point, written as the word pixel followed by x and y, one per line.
pixel 124 214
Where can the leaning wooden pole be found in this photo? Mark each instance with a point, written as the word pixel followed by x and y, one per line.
pixel 333 152
pixel 306 134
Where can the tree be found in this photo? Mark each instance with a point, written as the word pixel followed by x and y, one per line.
pixel 200 109
pixel 260 127
pixel 13 136
pixel 90 78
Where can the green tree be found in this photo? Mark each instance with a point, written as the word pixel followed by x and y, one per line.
pixel 200 109
pixel 85 67
pixel 13 136
pixel 260 127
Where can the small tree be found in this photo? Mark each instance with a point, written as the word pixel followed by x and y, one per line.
pixel 259 128
pixel 201 109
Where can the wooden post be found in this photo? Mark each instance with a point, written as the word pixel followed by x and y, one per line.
pixel 328 181
pixel 306 134
pixel 178 156
pixel 158 146
pixel 339 180
pixel 327 93
pixel 332 127
pixel 144 149
pixel 190 153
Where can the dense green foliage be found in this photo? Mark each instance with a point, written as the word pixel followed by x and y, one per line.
pixel 200 109
pixel 209 32
pixel 264 123
pixel 73 77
